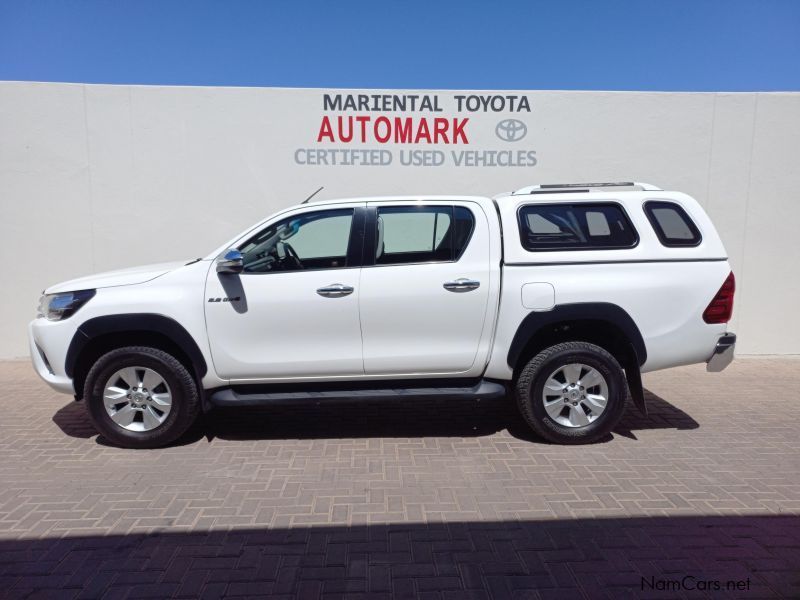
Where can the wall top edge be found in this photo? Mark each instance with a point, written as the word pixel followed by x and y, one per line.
pixel 395 90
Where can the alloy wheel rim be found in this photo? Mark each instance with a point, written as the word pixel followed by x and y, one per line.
pixel 137 399
pixel 575 395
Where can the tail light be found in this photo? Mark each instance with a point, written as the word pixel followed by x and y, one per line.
pixel 721 307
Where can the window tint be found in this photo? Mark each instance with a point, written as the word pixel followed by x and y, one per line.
pixel 464 224
pixel 314 240
pixel 575 227
pixel 672 225
pixel 415 234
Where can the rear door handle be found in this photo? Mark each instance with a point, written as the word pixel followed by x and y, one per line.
pixel 461 285
pixel 335 290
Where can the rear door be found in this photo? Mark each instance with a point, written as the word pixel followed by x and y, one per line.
pixel 425 295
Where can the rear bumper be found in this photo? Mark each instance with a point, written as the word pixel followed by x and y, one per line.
pixel 723 353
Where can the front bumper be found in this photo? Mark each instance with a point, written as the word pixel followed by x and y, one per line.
pixel 44 366
pixel 723 353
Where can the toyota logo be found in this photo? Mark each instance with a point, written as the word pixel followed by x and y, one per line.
pixel 511 130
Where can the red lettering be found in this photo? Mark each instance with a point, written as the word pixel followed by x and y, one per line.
pixel 348 137
pixel 440 127
pixel 382 139
pixel 402 130
pixel 363 121
pixel 458 130
pixel 325 130
pixel 422 131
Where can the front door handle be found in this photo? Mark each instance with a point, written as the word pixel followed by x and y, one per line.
pixel 461 285
pixel 335 290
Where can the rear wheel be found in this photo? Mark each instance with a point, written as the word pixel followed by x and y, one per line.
pixel 572 393
pixel 141 397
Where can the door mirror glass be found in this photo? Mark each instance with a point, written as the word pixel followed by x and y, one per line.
pixel 230 262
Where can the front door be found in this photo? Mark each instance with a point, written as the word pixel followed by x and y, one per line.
pixel 424 300
pixel 293 312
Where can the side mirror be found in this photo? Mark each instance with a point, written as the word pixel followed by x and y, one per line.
pixel 230 262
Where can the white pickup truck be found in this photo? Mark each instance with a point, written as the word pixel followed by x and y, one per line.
pixel 561 294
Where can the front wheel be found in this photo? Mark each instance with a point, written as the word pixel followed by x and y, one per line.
pixel 572 393
pixel 141 397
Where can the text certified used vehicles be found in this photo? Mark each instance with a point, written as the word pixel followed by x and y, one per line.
pixel 560 294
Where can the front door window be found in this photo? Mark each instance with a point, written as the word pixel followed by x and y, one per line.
pixel 313 240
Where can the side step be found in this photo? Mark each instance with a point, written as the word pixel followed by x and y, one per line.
pixel 241 396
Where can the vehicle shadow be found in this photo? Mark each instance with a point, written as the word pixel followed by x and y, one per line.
pixel 381 419
pixel 675 556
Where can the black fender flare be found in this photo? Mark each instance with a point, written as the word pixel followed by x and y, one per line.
pixel 134 322
pixel 532 324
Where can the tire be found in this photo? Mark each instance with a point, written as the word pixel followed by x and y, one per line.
pixel 557 416
pixel 163 423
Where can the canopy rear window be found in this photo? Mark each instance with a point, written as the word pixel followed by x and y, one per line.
pixel 672 225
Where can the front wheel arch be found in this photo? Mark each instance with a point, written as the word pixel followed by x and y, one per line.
pixel 99 335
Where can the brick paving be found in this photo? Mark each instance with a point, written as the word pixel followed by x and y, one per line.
pixel 424 500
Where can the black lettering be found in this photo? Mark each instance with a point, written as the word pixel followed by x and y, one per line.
pixel 332 102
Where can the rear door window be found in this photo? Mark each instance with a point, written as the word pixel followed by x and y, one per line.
pixel 418 234
pixel 672 225
pixel 599 226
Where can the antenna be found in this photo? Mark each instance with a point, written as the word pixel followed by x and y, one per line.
pixel 322 187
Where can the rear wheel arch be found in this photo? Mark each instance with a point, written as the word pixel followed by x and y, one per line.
pixel 99 335
pixel 604 324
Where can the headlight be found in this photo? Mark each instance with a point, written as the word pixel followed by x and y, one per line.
pixel 55 307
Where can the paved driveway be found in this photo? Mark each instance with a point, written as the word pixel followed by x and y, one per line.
pixel 425 500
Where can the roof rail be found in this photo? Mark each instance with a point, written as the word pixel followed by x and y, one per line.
pixel 582 187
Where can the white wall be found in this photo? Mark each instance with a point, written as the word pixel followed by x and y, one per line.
pixel 96 177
